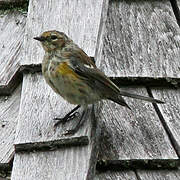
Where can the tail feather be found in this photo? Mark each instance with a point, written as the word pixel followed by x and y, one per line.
pixel 119 100
pixel 150 99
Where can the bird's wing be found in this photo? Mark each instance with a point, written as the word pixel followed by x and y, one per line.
pixel 79 55
pixel 96 74
pixel 86 69
pixel 83 65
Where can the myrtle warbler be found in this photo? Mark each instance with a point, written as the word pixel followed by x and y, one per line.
pixel 72 74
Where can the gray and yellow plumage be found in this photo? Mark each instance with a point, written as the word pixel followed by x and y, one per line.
pixel 73 75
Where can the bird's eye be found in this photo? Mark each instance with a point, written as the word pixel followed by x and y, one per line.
pixel 53 37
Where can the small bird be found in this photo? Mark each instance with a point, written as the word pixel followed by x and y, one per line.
pixel 72 74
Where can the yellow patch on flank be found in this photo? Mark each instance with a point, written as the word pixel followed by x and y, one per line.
pixel 64 69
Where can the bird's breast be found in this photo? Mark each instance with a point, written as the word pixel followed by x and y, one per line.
pixel 67 83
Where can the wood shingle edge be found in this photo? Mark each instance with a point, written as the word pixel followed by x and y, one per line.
pixel 12 34
pixel 121 81
pixel 84 157
pixel 14 4
pixel 51 145
pixel 176 10
pixel 132 164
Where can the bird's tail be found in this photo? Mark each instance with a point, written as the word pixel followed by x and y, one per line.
pixel 150 99
pixel 119 100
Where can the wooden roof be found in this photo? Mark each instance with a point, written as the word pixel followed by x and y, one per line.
pixel 137 44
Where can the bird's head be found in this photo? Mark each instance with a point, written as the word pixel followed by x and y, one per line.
pixel 52 40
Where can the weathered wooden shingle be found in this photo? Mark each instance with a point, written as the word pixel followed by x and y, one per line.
pixel 65 163
pixel 39 106
pixel 141 40
pixel 115 175
pixel 159 175
pixel 137 33
pixel 11 39
pixel 84 30
pixel 139 175
pixel 83 21
pixel 9 109
pixel 35 131
pixel 80 20
pixel 133 134
pixel 170 113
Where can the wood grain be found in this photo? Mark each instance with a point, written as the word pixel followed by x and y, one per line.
pixel 9 108
pixel 35 131
pixel 66 163
pixel 115 175
pixel 39 106
pixel 79 19
pixel 133 134
pixel 11 38
pixel 141 40
pixel 170 113
pixel 159 175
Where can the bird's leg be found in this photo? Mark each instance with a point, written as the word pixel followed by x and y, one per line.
pixel 71 115
pixel 78 125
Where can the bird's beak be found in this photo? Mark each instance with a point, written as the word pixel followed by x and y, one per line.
pixel 40 38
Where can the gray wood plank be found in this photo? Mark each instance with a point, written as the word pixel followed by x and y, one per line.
pixel 159 175
pixel 66 163
pixel 39 106
pixel 35 131
pixel 115 175
pixel 135 134
pixel 11 38
pixel 170 112
pixel 141 40
pixel 9 109
pixel 79 19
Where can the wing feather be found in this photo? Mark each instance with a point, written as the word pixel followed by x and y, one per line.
pixel 80 62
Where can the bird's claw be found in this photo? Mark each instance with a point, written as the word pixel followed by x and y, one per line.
pixel 73 116
pixel 65 119
pixel 69 132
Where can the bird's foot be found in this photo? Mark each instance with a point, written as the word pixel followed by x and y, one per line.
pixel 65 118
pixel 76 128
pixel 70 132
